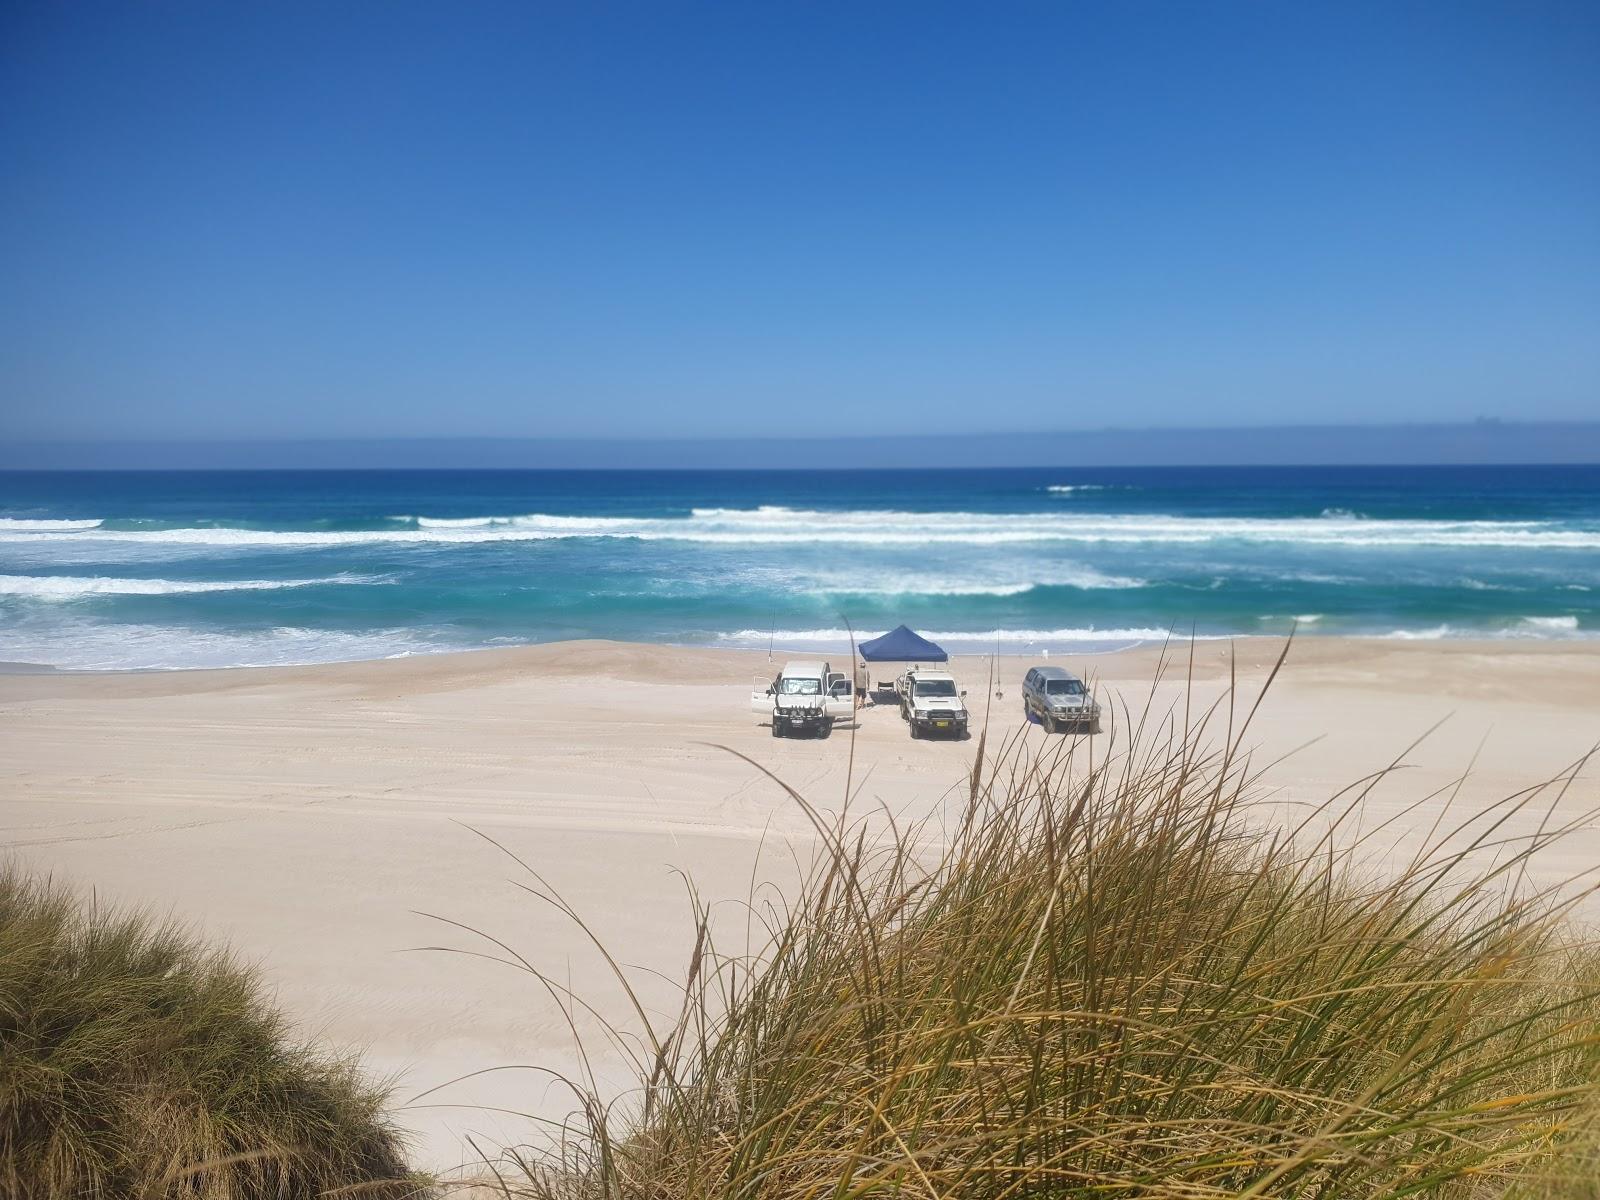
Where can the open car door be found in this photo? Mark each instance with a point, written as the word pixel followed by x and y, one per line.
pixel 761 699
pixel 841 698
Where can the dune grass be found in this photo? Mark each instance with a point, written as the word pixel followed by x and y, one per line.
pixel 1108 980
pixel 138 1064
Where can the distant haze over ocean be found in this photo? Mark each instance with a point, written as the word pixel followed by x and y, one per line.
pixel 812 446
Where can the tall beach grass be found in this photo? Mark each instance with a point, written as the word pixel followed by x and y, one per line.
pixel 1109 978
pixel 136 1063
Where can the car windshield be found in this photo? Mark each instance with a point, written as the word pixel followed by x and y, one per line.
pixel 1064 687
pixel 936 687
pixel 800 687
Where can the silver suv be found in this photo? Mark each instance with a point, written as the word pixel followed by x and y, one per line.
pixel 1059 700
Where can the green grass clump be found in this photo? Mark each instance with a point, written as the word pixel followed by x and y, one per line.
pixel 137 1064
pixel 1108 980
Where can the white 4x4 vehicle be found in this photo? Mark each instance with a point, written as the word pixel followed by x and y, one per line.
pixel 806 697
pixel 931 703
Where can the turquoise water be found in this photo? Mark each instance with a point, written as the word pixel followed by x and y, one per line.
pixel 159 569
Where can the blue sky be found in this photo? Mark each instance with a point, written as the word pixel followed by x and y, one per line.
pixel 398 220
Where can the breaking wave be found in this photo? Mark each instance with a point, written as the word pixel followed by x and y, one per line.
pixel 76 587
pixel 1527 627
pixel 31 525
pixel 979 639
pixel 95 646
pixel 920 583
pixel 777 525
pixel 1551 624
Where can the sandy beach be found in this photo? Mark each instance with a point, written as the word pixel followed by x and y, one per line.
pixel 312 816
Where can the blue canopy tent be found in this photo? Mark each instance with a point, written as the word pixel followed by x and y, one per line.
pixel 902 645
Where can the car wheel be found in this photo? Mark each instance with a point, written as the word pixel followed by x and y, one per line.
pixel 826 731
pixel 777 730
pixel 1048 720
pixel 915 732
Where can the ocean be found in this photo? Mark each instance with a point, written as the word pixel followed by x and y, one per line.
pixel 150 570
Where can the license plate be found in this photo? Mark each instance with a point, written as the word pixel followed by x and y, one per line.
pixel 941 724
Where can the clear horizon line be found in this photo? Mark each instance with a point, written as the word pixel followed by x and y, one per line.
pixel 1475 423
pixel 1485 441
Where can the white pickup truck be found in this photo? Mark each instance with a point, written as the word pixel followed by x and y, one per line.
pixel 930 702
pixel 806 697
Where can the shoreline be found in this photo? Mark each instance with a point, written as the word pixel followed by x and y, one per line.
pixel 307 815
pixel 1465 643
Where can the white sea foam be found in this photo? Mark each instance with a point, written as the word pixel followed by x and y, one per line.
pixel 914 585
pixel 539 522
pixel 968 641
pixel 933 583
pixel 1322 577
pixel 76 587
pixel 775 525
pixel 959 638
pixel 1066 489
pixel 1551 624
pixel 1526 627
pixel 762 512
pixel 84 645
pixel 1431 634
pixel 453 523
pixel 31 525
